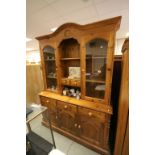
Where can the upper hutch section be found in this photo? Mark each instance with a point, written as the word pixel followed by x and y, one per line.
pixel 79 58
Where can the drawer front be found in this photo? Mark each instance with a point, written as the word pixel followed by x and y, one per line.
pixel 70 82
pixel 65 82
pixel 67 116
pixel 44 100
pixel 66 107
pixel 50 103
pixel 92 114
pixel 74 82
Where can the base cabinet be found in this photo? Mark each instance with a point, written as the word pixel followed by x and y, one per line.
pixel 66 116
pixel 91 126
pixel 86 124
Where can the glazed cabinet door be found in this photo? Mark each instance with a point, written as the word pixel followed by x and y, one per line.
pixel 95 72
pixel 67 116
pixel 50 68
pixel 91 126
pixel 51 105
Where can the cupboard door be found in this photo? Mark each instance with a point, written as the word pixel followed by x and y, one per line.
pixel 50 68
pixel 67 116
pixel 45 102
pixel 96 60
pixel 91 126
pixel 53 112
pixel 51 105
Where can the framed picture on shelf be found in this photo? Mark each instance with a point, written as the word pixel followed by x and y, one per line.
pixel 74 72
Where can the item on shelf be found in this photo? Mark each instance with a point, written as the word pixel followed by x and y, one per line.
pixel 49 57
pixel 65 91
pixel 74 72
pixel 100 87
pixel 53 87
pixel 78 94
pixel 78 97
pixel 72 91
pixel 88 75
pixel 53 75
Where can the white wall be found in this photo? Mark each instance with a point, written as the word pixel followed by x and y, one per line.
pixel 118 46
pixel 33 56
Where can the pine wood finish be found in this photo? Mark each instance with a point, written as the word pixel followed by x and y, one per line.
pixel 122 137
pixel 90 47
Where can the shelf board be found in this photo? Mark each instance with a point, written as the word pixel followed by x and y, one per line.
pixel 51 77
pixel 95 81
pixel 96 57
pixel 70 58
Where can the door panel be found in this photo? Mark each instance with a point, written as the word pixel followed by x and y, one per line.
pixel 91 126
pixel 67 116
pixel 51 105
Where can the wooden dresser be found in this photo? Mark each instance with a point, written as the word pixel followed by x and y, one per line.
pixel 77 62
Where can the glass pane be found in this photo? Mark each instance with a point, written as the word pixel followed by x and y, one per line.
pixel 96 59
pixel 50 67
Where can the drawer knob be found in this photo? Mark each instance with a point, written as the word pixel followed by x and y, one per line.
pixel 65 106
pixel 75 83
pixel 79 126
pixel 56 117
pixel 47 101
pixel 75 125
pixel 90 114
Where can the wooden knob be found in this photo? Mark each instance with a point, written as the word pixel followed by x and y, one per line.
pixel 90 114
pixel 56 117
pixel 65 106
pixel 75 83
pixel 83 70
pixel 79 126
pixel 75 125
pixel 47 101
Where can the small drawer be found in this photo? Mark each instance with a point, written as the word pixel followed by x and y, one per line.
pixel 91 113
pixel 66 106
pixel 50 103
pixel 45 100
pixel 65 81
pixel 75 83
pixel 78 83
